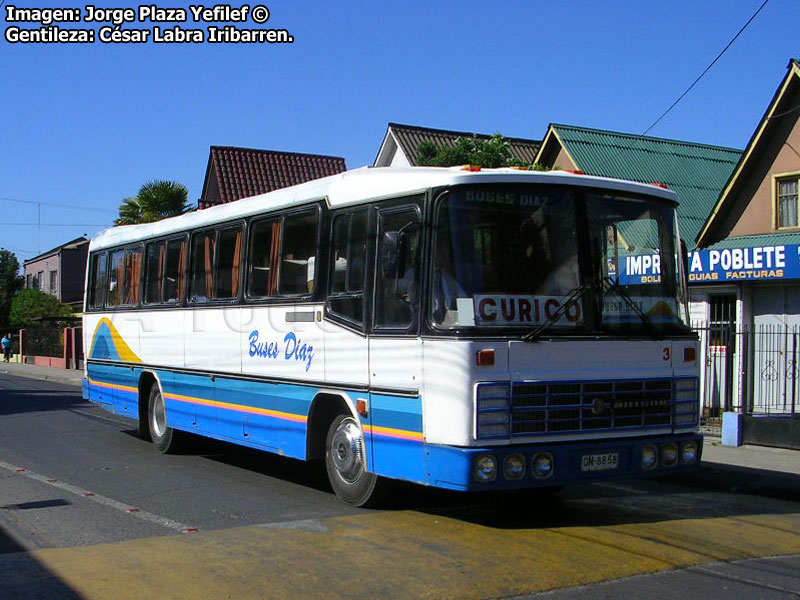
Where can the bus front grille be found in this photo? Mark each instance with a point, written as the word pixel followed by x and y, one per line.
pixel 526 408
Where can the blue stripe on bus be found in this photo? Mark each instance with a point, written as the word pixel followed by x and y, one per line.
pixel 271 416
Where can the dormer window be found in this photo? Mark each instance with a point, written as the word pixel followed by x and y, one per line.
pixel 788 201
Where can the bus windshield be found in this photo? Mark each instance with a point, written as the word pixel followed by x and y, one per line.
pixel 571 260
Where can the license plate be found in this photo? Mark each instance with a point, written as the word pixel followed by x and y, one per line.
pixel 600 462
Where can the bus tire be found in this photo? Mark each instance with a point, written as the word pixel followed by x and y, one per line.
pixel 165 439
pixel 346 465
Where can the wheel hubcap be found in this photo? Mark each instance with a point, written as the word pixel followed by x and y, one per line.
pixel 347 450
pixel 159 417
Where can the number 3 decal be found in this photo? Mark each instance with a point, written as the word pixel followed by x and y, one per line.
pixel 665 354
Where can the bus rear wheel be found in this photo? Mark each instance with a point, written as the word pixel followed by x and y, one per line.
pixel 346 464
pixel 165 439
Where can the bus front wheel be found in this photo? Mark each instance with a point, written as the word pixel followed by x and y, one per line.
pixel 164 437
pixel 346 465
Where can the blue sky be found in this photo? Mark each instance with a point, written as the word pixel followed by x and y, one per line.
pixel 84 126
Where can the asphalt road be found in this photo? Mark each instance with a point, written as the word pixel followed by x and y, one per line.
pixel 87 509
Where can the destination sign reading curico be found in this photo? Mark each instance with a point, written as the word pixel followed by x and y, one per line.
pixel 521 310
pixel 729 265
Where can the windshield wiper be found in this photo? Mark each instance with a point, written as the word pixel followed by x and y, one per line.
pixel 631 304
pixel 574 295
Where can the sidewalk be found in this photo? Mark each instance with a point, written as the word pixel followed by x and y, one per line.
pixel 69 376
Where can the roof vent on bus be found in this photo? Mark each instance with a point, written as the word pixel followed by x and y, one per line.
pixel 661 185
pixel 473 168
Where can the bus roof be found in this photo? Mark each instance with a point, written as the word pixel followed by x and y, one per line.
pixel 357 186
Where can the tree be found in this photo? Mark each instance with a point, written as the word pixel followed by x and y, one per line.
pixel 30 306
pixel 491 153
pixel 10 283
pixel 156 200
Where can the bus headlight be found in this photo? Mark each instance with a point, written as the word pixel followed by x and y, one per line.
pixel 484 469
pixel 689 453
pixel 542 465
pixel 514 466
pixel 649 457
pixel 669 454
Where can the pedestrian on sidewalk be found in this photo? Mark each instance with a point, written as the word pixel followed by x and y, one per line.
pixel 6 345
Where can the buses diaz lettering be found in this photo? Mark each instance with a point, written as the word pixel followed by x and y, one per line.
pixel 292 349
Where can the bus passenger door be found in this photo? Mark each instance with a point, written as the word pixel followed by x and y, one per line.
pixel 395 351
pixel 346 346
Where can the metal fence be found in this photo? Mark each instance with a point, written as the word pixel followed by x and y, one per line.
pixel 753 370
pixel 44 341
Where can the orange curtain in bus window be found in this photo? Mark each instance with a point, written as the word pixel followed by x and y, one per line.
pixel 133 272
pixel 208 260
pixel 237 263
pixel 274 258
pixel 182 272
pixel 116 284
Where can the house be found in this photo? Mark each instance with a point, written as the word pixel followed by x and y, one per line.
pixel 696 172
pixel 235 173
pixel 400 144
pixel 60 272
pixel 750 260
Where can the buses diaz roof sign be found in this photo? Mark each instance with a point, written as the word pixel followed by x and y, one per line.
pixel 721 265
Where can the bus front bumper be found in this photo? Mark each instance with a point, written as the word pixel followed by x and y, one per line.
pixel 546 465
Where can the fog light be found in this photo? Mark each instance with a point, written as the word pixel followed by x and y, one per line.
pixel 649 457
pixel 542 465
pixel 484 469
pixel 689 453
pixel 514 466
pixel 669 454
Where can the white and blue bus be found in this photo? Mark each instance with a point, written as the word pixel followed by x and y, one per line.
pixel 461 328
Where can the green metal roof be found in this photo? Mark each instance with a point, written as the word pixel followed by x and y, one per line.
pixel 754 241
pixel 696 172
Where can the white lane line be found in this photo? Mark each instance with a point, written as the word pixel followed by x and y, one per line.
pixel 86 494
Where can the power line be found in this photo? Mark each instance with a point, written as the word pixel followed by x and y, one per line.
pixel 73 206
pixel 57 224
pixel 707 69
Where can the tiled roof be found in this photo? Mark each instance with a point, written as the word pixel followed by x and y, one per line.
pixel 235 173
pixel 696 172
pixel 409 138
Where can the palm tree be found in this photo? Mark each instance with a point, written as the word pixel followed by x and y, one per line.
pixel 156 200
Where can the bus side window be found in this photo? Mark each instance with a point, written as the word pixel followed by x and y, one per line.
pixel 202 288
pixel 348 266
pixel 264 252
pixel 175 271
pixel 133 276
pixel 99 283
pixel 116 278
pixel 230 244
pixel 154 272
pixel 397 286
pixel 300 234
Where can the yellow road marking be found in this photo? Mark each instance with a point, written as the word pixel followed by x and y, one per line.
pixel 409 554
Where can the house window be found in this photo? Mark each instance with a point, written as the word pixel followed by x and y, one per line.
pixel 788 201
pixel 29 281
pixel 40 280
pixel 53 282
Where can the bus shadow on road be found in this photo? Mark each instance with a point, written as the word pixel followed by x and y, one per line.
pixel 18 401
pixel 704 494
